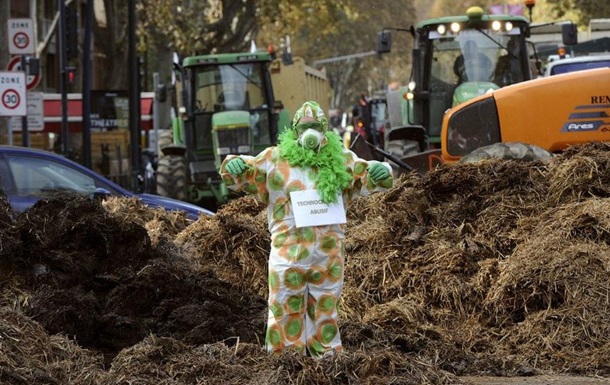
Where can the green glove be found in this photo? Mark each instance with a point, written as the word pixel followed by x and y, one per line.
pixel 378 172
pixel 236 166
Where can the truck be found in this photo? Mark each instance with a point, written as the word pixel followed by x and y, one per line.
pixel 228 104
pixel 531 120
pixel 294 82
pixel 454 59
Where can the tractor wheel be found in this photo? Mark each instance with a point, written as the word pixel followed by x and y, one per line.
pixel 402 148
pixel 514 150
pixel 166 138
pixel 171 177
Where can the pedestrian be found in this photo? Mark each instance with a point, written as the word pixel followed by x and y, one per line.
pixel 307 181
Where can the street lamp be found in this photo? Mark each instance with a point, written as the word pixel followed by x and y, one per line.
pixel 530 4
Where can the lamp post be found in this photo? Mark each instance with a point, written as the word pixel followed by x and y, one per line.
pixel 530 4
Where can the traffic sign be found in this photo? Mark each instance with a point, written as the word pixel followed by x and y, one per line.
pixel 35 114
pixel 21 36
pixel 12 94
pixel 15 65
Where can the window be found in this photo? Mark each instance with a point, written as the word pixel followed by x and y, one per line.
pixel 579 66
pixel 35 176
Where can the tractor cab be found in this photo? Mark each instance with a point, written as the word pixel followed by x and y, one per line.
pixel 454 59
pixel 232 113
pixel 458 58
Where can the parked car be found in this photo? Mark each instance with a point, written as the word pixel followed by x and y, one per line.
pixel 578 63
pixel 28 175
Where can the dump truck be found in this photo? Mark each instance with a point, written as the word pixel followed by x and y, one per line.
pixel 228 104
pixel 531 120
pixel 454 59
pixel 295 82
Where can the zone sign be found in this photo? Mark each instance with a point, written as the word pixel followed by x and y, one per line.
pixel 21 36
pixel 13 94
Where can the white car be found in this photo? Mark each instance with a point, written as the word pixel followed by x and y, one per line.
pixel 578 63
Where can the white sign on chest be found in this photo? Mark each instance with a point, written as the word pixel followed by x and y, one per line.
pixel 309 210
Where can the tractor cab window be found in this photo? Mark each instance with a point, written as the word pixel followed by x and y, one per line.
pixel 474 63
pixel 476 56
pixel 225 88
pixel 476 59
pixel 228 87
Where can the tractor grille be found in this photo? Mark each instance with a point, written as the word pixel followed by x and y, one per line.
pixel 203 171
pixel 234 141
pixel 234 138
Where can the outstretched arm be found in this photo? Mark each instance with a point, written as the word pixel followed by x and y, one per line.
pixel 369 176
pixel 246 173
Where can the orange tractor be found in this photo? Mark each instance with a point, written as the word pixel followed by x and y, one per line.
pixel 530 120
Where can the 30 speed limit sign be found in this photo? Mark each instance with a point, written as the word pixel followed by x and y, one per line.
pixel 21 36
pixel 13 92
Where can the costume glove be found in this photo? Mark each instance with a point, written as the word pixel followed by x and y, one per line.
pixel 378 172
pixel 236 166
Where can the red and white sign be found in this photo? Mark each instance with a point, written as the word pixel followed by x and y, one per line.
pixel 13 94
pixel 15 65
pixel 21 37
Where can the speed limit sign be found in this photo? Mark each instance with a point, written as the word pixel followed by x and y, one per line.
pixel 13 94
pixel 21 36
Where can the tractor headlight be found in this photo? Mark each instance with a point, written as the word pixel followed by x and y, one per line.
pixel 224 150
pixel 243 149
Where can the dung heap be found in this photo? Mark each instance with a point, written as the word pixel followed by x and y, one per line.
pixel 496 268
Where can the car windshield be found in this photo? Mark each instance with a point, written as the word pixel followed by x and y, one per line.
pixel 563 68
pixel 37 176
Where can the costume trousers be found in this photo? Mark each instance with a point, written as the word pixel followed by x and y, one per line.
pixel 304 293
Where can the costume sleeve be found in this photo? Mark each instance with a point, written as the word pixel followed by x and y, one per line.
pixel 254 179
pixel 362 184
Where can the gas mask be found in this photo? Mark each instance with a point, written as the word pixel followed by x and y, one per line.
pixel 310 135
pixel 311 139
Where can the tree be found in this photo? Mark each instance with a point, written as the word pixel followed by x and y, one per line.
pixel 201 27
pixel 329 29
pixel 168 26
pixel 585 10
pixel 318 29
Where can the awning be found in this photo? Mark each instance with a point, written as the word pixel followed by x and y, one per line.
pixel 52 106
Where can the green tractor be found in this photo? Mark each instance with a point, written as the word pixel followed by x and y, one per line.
pixel 225 106
pixel 454 59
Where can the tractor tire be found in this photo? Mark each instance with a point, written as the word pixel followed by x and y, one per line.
pixel 166 138
pixel 171 177
pixel 402 148
pixel 512 150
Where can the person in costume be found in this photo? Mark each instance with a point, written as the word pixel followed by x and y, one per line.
pixel 307 181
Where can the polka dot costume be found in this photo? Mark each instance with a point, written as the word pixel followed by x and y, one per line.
pixel 305 264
